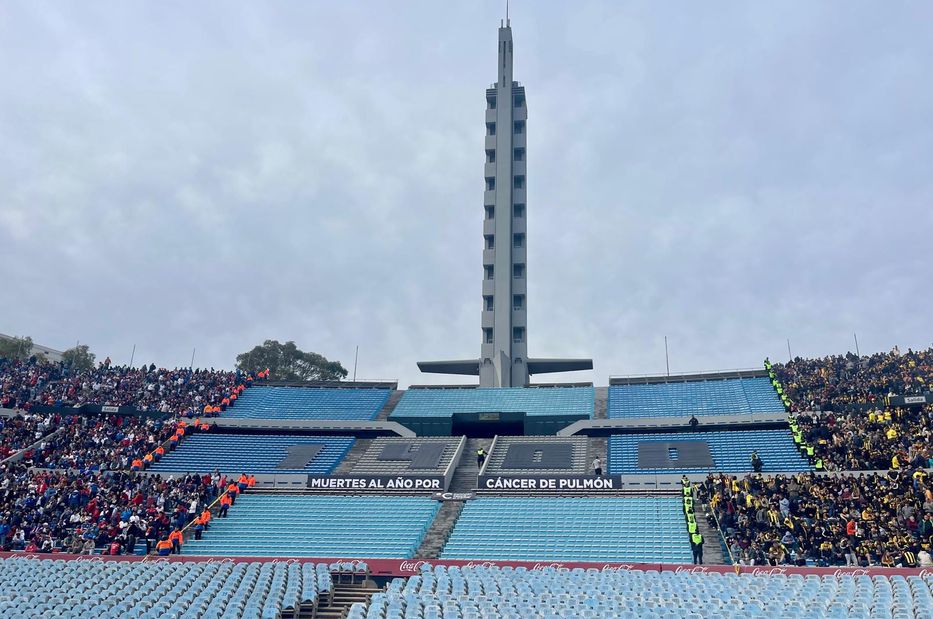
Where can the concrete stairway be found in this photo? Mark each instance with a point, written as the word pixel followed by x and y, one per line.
pixel 598 446
pixel 390 404
pixel 601 405
pixel 712 542
pixel 464 479
pixel 353 456
pixel 437 535
pixel 344 596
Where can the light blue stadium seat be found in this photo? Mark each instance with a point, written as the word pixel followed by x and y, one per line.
pixel 250 453
pixel 319 526
pixel 350 404
pixel 562 401
pixel 726 396
pixel 731 451
pixel 637 529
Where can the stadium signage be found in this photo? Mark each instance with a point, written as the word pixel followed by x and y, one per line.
pixel 553 483
pixel 110 409
pixel 453 496
pixel 915 399
pixel 376 483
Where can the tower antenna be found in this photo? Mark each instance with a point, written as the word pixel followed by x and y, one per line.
pixel 506 12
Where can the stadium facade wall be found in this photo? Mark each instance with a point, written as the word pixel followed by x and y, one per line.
pixel 412 567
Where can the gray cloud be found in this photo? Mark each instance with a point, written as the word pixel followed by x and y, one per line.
pixel 211 175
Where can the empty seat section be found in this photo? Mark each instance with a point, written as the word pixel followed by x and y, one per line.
pixel 520 455
pixel 156 590
pixel 468 591
pixel 407 456
pixel 728 396
pixel 537 401
pixel 254 454
pixel 730 452
pixel 642 529
pixel 309 403
pixel 319 526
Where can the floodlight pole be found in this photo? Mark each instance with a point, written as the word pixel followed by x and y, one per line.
pixel 667 358
pixel 790 357
pixel 132 355
pixel 857 353
pixel 356 358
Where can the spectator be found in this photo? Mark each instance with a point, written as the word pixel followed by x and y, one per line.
pixel 865 519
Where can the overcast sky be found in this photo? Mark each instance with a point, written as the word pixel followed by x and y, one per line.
pixel 207 175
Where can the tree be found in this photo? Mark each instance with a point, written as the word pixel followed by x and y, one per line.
pixel 287 362
pixel 80 358
pixel 16 347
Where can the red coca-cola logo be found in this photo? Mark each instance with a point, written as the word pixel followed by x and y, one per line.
pixel 412 566
pixel 852 572
pixel 544 566
pixel 480 564
pixel 768 571
pixel 624 567
pixel 925 572
pixel 696 569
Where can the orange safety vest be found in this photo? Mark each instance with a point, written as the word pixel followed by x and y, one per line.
pixel 176 536
pixel 206 516
pixel 204 427
pixel 243 479
pixel 207 408
pixel 147 458
pixel 233 488
pixel 224 500
pixel 138 463
pixel 251 481
pixel 225 402
pixel 164 545
pixel 182 425
pixel 160 450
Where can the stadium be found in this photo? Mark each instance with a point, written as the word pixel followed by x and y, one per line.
pixel 793 489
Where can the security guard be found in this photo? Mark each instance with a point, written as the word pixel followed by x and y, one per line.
pixel 696 542
pixel 480 457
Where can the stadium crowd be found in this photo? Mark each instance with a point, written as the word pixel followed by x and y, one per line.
pixel 839 381
pixel 181 391
pixel 828 520
pixel 74 512
pixel 20 431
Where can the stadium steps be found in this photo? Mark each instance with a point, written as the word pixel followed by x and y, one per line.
pixel 390 404
pixel 344 596
pixel 353 456
pixel 597 446
pixel 436 537
pixel 712 543
pixel 464 479
pixel 601 403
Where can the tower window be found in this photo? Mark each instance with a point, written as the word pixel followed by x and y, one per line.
pixel 490 183
pixel 490 212
pixel 490 241
pixel 519 127
pixel 518 271
pixel 490 271
pixel 519 154
pixel 491 103
pixel 518 334
pixel 518 302
pixel 487 335
pixel 490 156
pixel 488 303
pixel 518 240
pixel 519 100
pixel 518 210
pixel 490 128
pixel 519 182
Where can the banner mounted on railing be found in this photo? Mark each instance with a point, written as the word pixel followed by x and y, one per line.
pixel 377 483
pixel 550 483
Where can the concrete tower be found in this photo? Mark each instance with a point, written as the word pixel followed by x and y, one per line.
pixel 503 360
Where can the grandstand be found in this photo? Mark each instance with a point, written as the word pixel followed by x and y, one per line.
pixel 538 410
pixel 552 592
pixel 729 451
pixel 536 507
pixel 258 453
pixel 693 395
pixel 320 526
pixel 571 529
pixel 310 403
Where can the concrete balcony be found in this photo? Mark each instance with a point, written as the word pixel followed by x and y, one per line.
pixel 489 287
pixel 488 319
pixel 489 256
pixel 491 142
pixel 489 170
pixel 489 227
